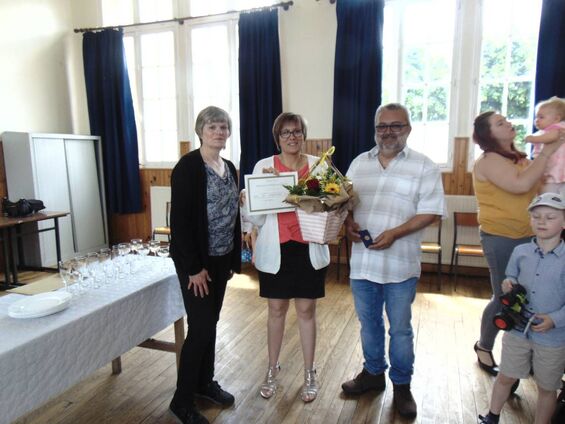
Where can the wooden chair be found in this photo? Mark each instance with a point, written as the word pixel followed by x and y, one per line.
pixel 463 219
pixel 164 231
pixel 434 248
pixel 341 239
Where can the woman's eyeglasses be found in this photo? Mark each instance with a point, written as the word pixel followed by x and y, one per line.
pixel 286 134
pixel 394 128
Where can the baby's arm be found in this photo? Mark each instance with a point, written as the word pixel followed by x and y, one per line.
pixel 548 136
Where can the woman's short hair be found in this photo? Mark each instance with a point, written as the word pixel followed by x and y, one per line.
pixel 482 136
pixel 282 119
pixel 393 107
pixel 207 116
pixel 555 103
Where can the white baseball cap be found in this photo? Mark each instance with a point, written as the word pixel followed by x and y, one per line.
pixel 553 200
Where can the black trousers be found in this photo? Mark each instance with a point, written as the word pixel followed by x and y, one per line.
pixel 196 367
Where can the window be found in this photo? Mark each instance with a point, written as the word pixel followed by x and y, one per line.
pixel 177 70
pixel 508 62
pixel 417 71
pixel 449 60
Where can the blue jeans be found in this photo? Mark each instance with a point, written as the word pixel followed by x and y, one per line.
pixel 397 298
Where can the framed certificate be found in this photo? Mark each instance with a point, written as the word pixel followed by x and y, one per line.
pixel 266 194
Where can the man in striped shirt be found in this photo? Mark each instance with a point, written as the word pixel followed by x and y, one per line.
pixel 400 192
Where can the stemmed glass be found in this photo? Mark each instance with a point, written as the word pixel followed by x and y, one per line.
pixel 135 244
pixel 79 273
pixel 163 252
pixel 91 268
pixel 124 249
pixel 154 246
pixel 143 251
pixel 105 264
pixel 65 270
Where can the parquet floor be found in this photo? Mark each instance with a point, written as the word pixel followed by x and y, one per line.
pixel 448 385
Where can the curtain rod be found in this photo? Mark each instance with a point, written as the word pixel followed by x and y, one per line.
pixel 285 5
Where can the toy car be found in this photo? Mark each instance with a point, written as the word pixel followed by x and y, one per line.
pixel 515 314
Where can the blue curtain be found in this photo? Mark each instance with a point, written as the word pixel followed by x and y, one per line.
pixel 357 77
pixel 110 110
pixel 260 98
pixel 550 67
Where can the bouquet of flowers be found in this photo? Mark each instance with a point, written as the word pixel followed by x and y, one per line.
pixel 323 198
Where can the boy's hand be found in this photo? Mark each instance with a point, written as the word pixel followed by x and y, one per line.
pixel 545 324
pixel 507 285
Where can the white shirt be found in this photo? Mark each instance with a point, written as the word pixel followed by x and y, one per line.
pixel 410 185
pixel 267 247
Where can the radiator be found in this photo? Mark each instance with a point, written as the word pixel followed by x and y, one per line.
pixel 159 196
pixel 465 235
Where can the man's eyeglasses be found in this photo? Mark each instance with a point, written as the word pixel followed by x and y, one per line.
pixel 286 134
pixel 394 128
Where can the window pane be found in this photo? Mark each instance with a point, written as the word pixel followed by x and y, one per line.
pixel 213 77
pixel 519 95
pixel 491 97
pixel 206 7
pixel 117 12
pixel 159 97
pixel 155 10
pixel 417 64
pixel 522 57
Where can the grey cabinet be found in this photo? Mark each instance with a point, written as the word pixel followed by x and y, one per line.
pixel 65 171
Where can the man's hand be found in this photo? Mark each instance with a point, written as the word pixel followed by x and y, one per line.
pixel 384 240
pixel 545 324
pixel 199 283
pixel 352 229
pixel 507 285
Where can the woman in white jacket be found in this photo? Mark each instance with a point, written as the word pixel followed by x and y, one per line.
pixel 289 267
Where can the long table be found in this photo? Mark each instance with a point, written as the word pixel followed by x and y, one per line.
pixel 42 357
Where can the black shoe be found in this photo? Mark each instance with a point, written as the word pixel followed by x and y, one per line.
pixel 363 382
pixel 214 393
pixel 404 401
pixel 487 419
pixel 188 415
pixel 515 387
pixel 491 369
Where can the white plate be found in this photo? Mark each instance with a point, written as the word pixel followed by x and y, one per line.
pixel 40 305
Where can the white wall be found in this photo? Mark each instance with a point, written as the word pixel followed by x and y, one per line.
pixel 42 80
pixel 41 77
pixel 307 33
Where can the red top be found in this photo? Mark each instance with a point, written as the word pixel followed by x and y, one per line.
pixel 289 228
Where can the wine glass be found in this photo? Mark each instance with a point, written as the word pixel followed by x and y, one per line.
pixel 79 273
pixel 154 246
pixel 163 252
pixel 105 263
pixel 65 270
pixel 92 268
pixel 135 243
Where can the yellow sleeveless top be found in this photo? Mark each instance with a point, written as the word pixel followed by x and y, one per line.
pixel 502 213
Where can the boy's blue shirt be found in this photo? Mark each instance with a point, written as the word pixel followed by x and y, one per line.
pixel 543 276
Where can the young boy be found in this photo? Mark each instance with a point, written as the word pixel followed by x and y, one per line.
pixel 539 266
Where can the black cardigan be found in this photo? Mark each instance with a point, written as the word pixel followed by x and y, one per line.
pixel 189 216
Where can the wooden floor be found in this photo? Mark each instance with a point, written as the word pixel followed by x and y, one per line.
pixel 448 385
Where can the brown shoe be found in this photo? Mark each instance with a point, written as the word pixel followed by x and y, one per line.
pixel 364 382
pixel 404 401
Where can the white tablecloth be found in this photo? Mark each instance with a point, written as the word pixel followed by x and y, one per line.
pixel 41 357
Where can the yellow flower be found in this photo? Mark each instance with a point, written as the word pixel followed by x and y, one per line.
pixel 332 188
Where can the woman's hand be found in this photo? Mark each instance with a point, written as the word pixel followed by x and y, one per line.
pixel 270 170
pixel 242 198
pixel 199 283
pixel 545 324
pixel 550 148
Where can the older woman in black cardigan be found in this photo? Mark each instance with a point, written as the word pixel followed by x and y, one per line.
pixel 206 250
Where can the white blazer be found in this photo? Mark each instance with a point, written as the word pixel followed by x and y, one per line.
pixel 267 248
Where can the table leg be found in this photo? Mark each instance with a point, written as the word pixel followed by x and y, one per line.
pixel 13 257
pixel 117 365
pixel 7 270
pixel 179 338
pixel 57 241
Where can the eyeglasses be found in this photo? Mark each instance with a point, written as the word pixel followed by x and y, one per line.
pixel 394 128
pixel 222 128
pixel 286 134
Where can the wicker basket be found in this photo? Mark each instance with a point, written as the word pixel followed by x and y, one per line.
pixel 321 227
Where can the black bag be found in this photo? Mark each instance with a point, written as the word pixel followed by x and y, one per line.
pixel 22 207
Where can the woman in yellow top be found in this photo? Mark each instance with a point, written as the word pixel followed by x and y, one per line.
pixel 505 182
